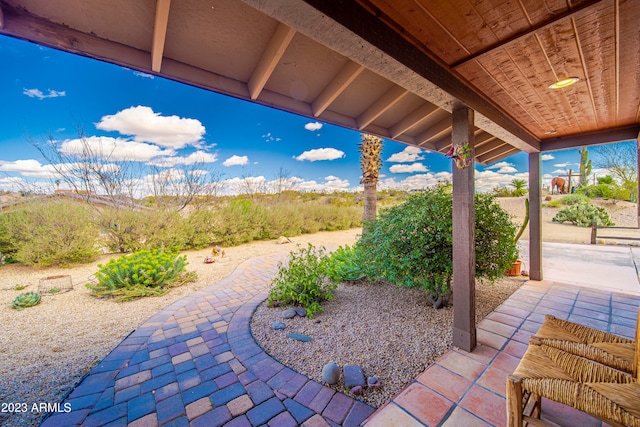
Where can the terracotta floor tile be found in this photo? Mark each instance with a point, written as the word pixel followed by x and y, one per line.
pixel 444 382
pixel 566 416
pixel 482 353
pixel 505 319
pixel 494 380
pixel 515 348
pixel 423 403
pixel 392 415
pixel 485 405
pixel 505 362
pixel 496 328
pixel 490 339
pixel 459 418
pixel 462 365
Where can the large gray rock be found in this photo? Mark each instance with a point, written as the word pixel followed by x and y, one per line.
pixel 331 373
pixel 278 325
pixel 289 313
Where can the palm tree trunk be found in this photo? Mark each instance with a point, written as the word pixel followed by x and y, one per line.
pixel 370 200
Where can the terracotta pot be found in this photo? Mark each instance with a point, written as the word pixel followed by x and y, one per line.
pixel 516 268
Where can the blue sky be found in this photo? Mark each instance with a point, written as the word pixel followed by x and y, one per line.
pixel 50 95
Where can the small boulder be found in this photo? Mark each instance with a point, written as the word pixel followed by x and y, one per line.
pixel 289 313
pixel 301 311
pixel 357 390
pixel 278 325
pixel 373 382
pixel 282 240
pixel 299 337
pixel 331 373
pixel 353 376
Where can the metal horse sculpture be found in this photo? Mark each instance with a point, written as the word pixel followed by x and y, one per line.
pixel 559 184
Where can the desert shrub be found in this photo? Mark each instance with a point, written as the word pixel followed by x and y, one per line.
pixel 303 280
pixel 583 215
pixel 606 191
pixel 201 228
pixel 412 244
pixel 501 191
pixel 283 220
pixel 54 232
pixel 344 264
pixel 240 221
pixel 124 229
pixel 572 199
pixel 166 229
pixel 143 273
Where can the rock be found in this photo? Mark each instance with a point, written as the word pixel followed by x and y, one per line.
pixel 282 240
pixel 373 382
pixel 289 313
pixel 353 376
pixel 317 321
pixel 299 337
pixel 357 390
pixel 301 311
pixel 278 325
pixel 331 373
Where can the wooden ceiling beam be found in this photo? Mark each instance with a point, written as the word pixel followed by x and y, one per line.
pixel 414 118
pixel 340 82
pixel 443 125
pixel 382 104
pixel 497 154
pixel 270 58
pixel 482 138
pixel 627 133
pixel 489 146
pixel 159 34
pixel 569 13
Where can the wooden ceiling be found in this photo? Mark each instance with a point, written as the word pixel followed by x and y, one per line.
pixel 395 68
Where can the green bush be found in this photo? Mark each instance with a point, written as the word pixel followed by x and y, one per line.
pixel 573 199
pixel 583 215
pixel 412 244
pixel 53 232
pixel 143 273
pixel 345 264
pixel 303 280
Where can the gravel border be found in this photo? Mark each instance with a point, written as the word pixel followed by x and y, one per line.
pixel 392 333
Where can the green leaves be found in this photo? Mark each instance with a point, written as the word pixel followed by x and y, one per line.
pixel 303 280
pixel 140 274
pixel 583 215
pixel 27 299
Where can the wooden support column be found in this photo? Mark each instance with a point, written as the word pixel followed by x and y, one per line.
pixel 464 253
pixel 535 217
pixel 638 180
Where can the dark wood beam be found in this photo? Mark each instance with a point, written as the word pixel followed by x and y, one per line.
pixel 464 250
pixel 535 217
pixel 364 24
pixel 628 133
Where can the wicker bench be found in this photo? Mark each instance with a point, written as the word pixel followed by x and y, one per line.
pixel 590 370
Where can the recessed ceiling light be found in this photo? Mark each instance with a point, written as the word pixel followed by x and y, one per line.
pixel 561 84
pixel 551 132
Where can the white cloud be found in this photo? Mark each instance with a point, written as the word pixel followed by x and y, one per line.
pixel 547 157
pixel 320 154
pixel 268 137
pixel 236 161
pixel 507 169
pixel 499 165
pixel 559 172
pixel 30 167
pixel 414 167
pixel 313 126
pixel 37 93
pixel 331 183
pixel 563 165
pixel 193 158
pixel 114 149
pixel 415 182
pixel 147 126
pixel 409 154
pixel 145 75
pixel 487 180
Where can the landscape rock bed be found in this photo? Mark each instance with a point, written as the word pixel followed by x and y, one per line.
pixel 392 333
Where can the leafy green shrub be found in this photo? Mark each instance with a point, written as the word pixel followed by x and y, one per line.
pixel 143 273
pixel 583 215
pixel 412 244
pixel 240 221
pixel 344 264
pixel 54 232
pixel 606 191
pixel 27 299
pixel 573 199
pixel 303 280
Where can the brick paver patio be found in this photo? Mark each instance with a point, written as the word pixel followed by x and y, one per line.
pixel 195 363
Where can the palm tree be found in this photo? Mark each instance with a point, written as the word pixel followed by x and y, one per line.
pixel 370 162
pixel 520 187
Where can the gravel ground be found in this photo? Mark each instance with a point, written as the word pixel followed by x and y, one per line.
pixel 392 333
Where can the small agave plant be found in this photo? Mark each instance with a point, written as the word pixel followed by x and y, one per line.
pixel 27 299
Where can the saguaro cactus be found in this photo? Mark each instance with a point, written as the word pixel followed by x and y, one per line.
pixel 585 166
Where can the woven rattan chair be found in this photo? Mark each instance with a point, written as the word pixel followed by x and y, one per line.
pixel 589 370
pixel 609 349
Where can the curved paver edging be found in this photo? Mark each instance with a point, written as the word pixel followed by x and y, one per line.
pixel 196 363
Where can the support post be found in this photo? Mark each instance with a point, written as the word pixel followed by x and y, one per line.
pixel 464 253
pixel 638 178
pixel 535 217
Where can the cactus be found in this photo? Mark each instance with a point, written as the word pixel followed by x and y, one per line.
pixel 585 166
pixel 526 220
pixel 370 162
pixel 27 299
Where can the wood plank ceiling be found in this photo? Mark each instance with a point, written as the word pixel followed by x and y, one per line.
pixel 394 68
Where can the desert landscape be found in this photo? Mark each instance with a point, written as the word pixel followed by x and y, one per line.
pixel 46 349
